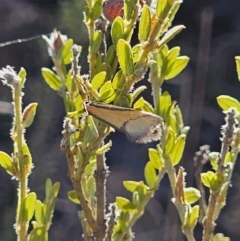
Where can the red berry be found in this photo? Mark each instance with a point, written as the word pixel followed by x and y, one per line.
pixel 112 9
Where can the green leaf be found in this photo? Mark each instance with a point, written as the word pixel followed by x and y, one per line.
pixel 171 33
pixel 91 186
pixel 90 168
pixel 191 195
pixel 161 8
pixel 125 57
pixel 98 80
pixel 128 8
pixel 7 163
pixel 164 104
pixel 118 80
pixel 145 24
pixel 148 107
pixel 137 92
pixel 214 157
pixel 107 68
pixel 139 104
pixel 136 50
pixel 124 204
pixel 29 114
pixel 220 237
pixel 72 195
pixel 96 42
pixel 177 67
pixel 130 185
pixel 193 217
pixel 237 59
pixel 28 207
pixel 48 188
pixel 150 175
pixel 39 214
pixel 117 30
pixel 110 55
pixel 177 150
pixel 217 182
pixel 96 10
pixel 51 78
pixel 106 91
pixel 39 234
pixel 230 158
pixel 22 74
pixel 169 142
pixel 206 178
pixel 226 102
pixel 104 148
pixel 155 159
pixel 66 52
pixel 27 157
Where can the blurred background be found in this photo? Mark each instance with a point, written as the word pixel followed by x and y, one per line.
pixel 211 40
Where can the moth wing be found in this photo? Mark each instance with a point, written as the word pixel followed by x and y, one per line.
pixel 143 129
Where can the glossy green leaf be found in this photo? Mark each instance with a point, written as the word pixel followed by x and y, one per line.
pixel 226 102
pixel 118 80
pixel 237 59
pixel 98 80
pixel 139 104
pixel 128 8
pixel 177 150
pixel 164 104
pixel 145 24
pixel 161 8
pixel 28 207
pixel 193 217
pixel 169 142
pixel 29 114
pixel 96 10
pixel 72 195
pixel 230 157
pixel 111 53
pixel 124 204
pixel 191 195
pixel 148 107
pixel 117 30
pixel 125 57
pixel 136 50
pixel 39 214
pixel 66 52
pixel 177 67
pixel 6 162
pixel 206 178
pixel 150 175
pixel 106 91
pixel 155 158
pixel 96 42
pixel 131 186
pixel 22 74
pixel 51 78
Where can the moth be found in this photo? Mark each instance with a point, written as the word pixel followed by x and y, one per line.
pixel 138 126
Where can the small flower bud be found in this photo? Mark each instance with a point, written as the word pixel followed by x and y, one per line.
pixel 9 76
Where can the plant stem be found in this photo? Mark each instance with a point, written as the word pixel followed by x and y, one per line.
pixel 100 179
pixel 21 225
